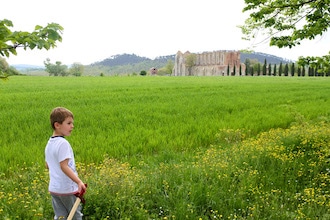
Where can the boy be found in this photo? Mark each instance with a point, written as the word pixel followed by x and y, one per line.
pixel 64 181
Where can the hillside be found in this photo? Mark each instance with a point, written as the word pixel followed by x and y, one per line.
pixel 131 63
pixel 262 56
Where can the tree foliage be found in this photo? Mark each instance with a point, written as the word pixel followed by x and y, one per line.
pixel 77 69
pixel 6 70
pixel 190 62
pixel 40 38
pixel 57 69
pixel 288 22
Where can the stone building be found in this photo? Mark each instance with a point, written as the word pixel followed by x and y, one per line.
pixel 153 71
pixel 208 63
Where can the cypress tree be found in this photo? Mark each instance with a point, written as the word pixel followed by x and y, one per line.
pixel 292 69
pixel 286 69
pixel 280 70
pixel 252 71
pixel 264 68
pixel 303 71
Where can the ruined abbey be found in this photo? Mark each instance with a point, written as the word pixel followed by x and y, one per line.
pixel 216 63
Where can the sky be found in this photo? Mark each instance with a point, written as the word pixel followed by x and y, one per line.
pixel 96 30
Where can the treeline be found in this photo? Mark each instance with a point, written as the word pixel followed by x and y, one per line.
pixel 255 68
pixel 59 69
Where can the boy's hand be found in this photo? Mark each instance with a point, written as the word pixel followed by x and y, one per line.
pixel 81 192
pixel 82 187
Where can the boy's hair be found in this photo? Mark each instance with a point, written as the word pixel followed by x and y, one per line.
pixel 59 114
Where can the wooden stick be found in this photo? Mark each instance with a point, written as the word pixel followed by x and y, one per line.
pixel 74 208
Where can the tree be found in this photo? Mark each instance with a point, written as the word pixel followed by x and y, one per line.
pixel 252 70
pixel 6 70
pixel 190 62
pixel 286 69
pixel 275 69
pixel 77 69
pixel 303 71
pixel 280 70
pixel 56 69
pixel 269 69
pixel 299 71
pixel 42 37
pixel 292 69
pixel 247 66
pixel 289 22
pixel 169 67
pixel 264 68
pixel 258 69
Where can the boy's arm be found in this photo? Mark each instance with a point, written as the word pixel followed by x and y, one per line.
pixel 67 170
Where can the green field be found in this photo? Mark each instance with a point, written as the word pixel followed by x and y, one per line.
pixel 172 147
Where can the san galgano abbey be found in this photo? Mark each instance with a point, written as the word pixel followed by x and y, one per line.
pixel 216 63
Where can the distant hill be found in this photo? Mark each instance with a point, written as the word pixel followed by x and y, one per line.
pixel 262 56
pixel 132 59
pixel 21 67
pixel 131 63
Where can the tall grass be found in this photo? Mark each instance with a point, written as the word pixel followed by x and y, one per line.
pixel 171 147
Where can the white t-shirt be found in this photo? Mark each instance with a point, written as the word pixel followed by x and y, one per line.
pixel 57 150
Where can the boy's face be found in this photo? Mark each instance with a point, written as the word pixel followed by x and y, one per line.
pixel 65 128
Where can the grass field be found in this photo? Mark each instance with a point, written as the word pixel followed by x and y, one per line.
pixel 172 147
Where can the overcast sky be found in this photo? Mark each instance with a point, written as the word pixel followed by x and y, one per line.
pixel 96 30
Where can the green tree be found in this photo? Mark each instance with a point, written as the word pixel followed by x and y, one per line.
pixel 258 69
pixel 190 62
pixel 77 69
pixel 299 71
pixel 289 22
pixel 56 69
pixel 275 69
pixel 292 69
pixel 6 70
pixel 303 71
pixel 169 67
pixel 269 69
pixel 41 37
pixel 143 73
pixel 286 69
pixel 280 69
pixel 252 71
pixel 247 66
pixel 264 68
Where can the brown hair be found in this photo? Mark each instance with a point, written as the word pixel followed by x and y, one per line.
pixel 59 114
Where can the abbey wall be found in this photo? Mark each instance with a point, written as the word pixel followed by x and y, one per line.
pixel 208 63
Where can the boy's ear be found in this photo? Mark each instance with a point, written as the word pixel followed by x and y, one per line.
pixel 56 124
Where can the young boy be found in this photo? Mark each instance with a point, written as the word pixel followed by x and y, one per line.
pixel 64 181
